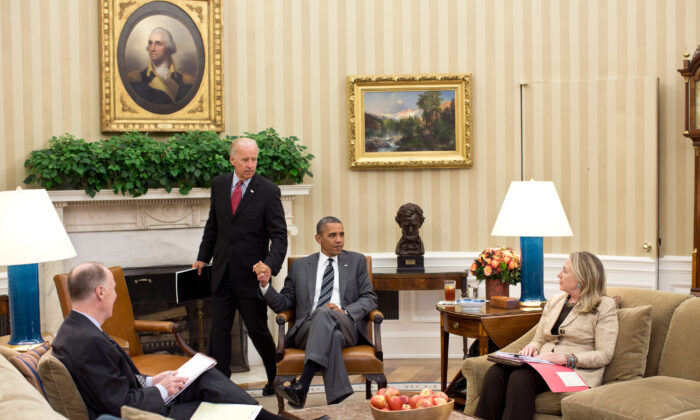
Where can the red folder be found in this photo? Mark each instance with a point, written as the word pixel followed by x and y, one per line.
pixel 555 376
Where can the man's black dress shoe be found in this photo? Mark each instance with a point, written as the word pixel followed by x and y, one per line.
pixel 268 390
pixel 294 393
pixel 323 417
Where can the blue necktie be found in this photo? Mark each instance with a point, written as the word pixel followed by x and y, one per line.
pixel 326 285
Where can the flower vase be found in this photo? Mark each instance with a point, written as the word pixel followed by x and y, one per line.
pixel 494 287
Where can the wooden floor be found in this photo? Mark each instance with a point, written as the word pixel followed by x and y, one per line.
pixel 398 370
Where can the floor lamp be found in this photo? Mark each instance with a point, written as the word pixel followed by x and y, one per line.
pixel 30 233
pixel 532 210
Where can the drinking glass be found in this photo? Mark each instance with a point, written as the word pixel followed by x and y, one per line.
pixel 450 286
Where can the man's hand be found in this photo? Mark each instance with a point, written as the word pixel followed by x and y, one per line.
pixel 529 350
pixel 334 307
pixel 170 381
pixel 263 272
pixel 199 265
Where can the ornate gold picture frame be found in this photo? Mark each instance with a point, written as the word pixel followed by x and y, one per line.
pixel 409 121
pixel 161 64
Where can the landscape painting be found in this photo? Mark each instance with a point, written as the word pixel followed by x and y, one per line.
pixel 407 121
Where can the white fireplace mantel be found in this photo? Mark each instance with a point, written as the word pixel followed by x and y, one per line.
pixel 158 228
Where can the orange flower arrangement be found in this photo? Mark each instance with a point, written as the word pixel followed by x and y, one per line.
pixel 497 263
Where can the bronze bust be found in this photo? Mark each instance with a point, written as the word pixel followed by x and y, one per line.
pixel 410 218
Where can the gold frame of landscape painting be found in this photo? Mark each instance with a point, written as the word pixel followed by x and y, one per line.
pixel 409 121
pixel 161 65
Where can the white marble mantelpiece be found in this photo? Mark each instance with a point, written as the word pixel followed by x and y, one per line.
pixel 158 228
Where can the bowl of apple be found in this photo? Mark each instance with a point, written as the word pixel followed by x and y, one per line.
pixel 391 404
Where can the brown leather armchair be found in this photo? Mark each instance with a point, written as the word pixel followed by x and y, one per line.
pixel 362 360
pixel 122 327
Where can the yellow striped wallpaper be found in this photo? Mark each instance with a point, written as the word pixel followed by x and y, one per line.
pixel 285 63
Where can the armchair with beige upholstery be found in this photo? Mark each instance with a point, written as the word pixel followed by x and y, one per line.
pixel 362 359
pixel 654 373
pixel 123 328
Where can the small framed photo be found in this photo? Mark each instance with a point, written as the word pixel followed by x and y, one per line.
pixel 161 65
pixel 409 121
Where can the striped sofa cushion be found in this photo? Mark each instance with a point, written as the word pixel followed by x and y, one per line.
pixel 27 362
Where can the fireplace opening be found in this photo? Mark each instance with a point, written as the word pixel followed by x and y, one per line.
pixel 152 293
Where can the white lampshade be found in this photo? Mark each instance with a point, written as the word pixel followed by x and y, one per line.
pixel 532 208
pixel 30 230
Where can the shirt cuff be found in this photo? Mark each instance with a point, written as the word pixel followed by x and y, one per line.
pixel 263 290
pixel 149 380
pixel 163 391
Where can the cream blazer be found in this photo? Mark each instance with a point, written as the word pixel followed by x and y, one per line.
pixel 591 337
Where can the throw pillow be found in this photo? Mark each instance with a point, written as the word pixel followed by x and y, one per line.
pixel 60 389
pixel 632 348
pixel 27 362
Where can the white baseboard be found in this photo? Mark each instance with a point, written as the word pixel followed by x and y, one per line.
pixel 416 334
pixel 675 274
pixel 3 282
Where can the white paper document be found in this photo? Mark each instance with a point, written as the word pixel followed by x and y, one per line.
pixel 211 411
pixel 198 364
pixel 571 379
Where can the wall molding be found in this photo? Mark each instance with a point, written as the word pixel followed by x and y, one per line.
pixel 416 334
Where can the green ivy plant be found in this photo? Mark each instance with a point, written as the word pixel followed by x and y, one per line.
pixel 134 162
pixel 281 159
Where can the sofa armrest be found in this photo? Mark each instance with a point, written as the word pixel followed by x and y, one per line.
pixel 474 369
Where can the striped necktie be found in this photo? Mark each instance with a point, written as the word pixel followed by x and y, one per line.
pixel 326 285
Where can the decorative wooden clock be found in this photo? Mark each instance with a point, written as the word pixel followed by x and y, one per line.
pixel 691 74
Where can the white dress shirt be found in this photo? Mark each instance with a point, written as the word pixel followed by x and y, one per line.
pixel 322 264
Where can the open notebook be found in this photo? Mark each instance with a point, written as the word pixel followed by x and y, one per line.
pixel 198 364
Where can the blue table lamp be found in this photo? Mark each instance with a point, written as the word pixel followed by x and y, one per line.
pixel 532 210
pixel 30 233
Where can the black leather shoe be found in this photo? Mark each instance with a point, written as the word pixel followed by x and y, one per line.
pixel 268 390
pixel 323 417
pixel 294 393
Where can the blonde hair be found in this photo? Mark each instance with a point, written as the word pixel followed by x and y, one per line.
pixel 590 279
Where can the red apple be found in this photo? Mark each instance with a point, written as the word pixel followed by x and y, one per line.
pixel 404 399
pixel 395 403
pixel 406 407
pixel 381 391
pixel 391 391
pixel 378 401
pixel 441 394
pixel 424 402
pixel 413 402
pixel 426 392
pixel 439 401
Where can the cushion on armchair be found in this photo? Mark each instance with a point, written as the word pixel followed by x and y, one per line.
pixel 27 362
pixel 656 397
pixel 60 389
pixel 630 358
pixel 18 399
